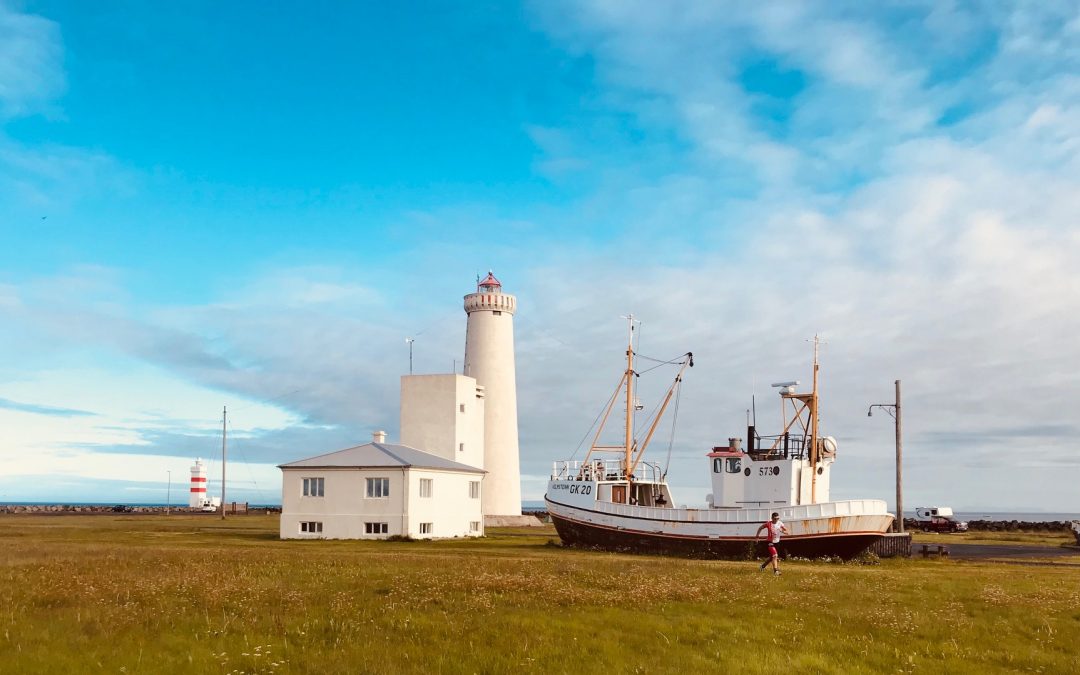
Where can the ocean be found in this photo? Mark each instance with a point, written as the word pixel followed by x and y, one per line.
pixel 1029 516
pixel 530 506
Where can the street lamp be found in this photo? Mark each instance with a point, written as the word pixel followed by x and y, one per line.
pixel 894 411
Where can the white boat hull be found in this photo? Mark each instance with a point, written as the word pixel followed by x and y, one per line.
pixel 843 528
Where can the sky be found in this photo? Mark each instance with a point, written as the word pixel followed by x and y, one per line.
pixel 252 205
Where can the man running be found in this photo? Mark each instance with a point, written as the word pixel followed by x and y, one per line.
pixel 774 528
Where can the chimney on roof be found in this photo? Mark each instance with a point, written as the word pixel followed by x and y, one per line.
pixel 379 437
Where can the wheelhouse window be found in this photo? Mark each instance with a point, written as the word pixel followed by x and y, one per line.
pixel 733 464
pixel 378 488
pixel 314 487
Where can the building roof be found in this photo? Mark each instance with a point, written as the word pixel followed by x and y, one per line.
pixel 380 455
pixel 489 282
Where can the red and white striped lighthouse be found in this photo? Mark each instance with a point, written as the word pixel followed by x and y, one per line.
pixel 198 485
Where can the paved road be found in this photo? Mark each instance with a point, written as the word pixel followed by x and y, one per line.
pixel 977 551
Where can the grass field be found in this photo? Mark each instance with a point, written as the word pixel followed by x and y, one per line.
pixel 997 538
pixel 150 594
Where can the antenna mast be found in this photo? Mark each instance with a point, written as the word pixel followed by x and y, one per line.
pixel 224 434
pixel 814 426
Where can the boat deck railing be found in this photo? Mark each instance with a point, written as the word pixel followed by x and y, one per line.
pixel 851 507
pixel 605 470
pixel 788 446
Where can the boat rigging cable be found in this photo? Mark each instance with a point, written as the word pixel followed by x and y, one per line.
pixel 671 440
pixel 678 361
pixel 588 432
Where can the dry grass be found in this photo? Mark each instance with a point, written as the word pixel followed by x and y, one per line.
pixel 1056 539
pixel 192 594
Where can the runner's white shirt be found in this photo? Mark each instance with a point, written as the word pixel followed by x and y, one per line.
pixel 774 531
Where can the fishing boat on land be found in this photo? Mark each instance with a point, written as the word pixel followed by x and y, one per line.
pixel 614 499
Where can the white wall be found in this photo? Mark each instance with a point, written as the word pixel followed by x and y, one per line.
pixel 808 492
pixel 449 509
pixel 432 419
pixel 344 508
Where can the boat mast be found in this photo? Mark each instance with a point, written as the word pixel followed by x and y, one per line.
pixel 628 448
pixel 814 421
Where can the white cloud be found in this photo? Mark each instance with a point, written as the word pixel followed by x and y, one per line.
pixel 947 261
pixel 941 254
pixel 31 63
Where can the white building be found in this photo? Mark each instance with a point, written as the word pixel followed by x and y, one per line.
pixel 489 358
pixel 458 434
pixel 444 415
pixel 378 490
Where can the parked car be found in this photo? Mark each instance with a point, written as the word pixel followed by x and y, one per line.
pixel 938 519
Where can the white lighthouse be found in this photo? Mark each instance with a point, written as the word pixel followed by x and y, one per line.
pixel 198 485
pixel 489 359
pixel 198 498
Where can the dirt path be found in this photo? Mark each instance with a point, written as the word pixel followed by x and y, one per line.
pixel 1015 554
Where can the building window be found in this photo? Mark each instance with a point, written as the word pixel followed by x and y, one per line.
pixel 375 528
pixel 425 528
pixel 313 487
pixel 461 407
pixel 461 447
pixel 425 487
pixel 474 489
pixel 311 527
pixel 378 487
pixel 474 526
pixel 497 313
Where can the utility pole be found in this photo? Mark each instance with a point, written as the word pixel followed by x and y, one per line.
pixel 224 433
pixel 894 410
pixel 899 464
pixel 168 494
pixel 410 341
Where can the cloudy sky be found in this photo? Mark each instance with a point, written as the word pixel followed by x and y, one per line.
pixel 206 204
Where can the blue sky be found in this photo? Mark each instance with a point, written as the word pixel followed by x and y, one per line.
pixel 212 204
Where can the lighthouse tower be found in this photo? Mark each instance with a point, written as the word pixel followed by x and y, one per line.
pixel 489 359
pixel 198 485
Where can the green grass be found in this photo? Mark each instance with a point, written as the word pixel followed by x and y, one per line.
pixel 194 594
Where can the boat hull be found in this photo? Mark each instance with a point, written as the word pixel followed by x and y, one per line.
pixel 812 537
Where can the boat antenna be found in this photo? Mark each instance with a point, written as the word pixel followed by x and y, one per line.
pixel 753 400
